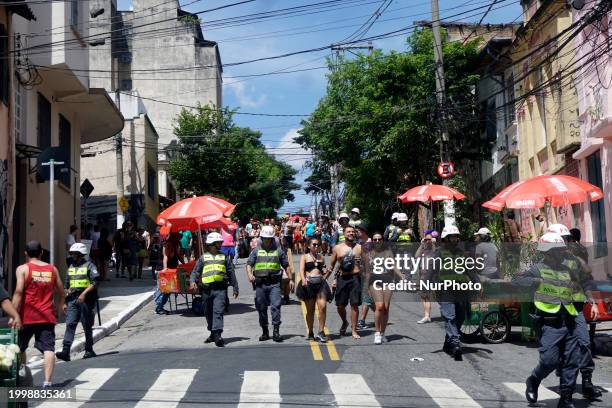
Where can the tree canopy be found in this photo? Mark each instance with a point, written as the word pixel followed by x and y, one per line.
pixel 216 157
pixel 378 120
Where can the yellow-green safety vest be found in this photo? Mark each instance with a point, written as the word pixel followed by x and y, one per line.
pixel 403 238
pixel 354 223
pixel 214 269
pixel 340 234
pixel 267 263
pixel 450 274
pixel 77 277
pixel 578 296
pixel 555 290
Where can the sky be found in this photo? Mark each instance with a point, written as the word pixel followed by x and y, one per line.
pixel 299 92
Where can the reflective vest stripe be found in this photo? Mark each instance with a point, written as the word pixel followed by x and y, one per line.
pixel 555 290
pixel 214 269
pixel 77 277
pixel 267 263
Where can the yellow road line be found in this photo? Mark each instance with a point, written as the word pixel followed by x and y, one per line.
pixel 314 346
pixel 331 348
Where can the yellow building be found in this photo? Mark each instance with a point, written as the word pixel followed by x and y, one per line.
pixel 545 89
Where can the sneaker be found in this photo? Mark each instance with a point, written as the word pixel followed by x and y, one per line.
pixel 377 338
pixel 361 324
pixel 47 385
pixel 310 336
pixel 343 328
pixel 426 319
pixel 162 312
pixel 321 337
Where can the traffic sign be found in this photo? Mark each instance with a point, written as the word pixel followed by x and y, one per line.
pixel 59 154
pixel 446 169
pixel 123 204
pixel 86 188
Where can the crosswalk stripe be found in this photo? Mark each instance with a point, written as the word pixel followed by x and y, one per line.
pixel 351 390
pixel 445 393
pixel 168 390
pixel 260 389
pixel 543 392
pixel 85 385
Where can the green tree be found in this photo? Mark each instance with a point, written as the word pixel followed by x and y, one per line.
pixel 216 157
pixel 378 120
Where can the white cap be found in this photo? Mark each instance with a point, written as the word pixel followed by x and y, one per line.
pixel 402 217
pixel 343 215
pixel 483 231
pixel 267 232
pixel 79 247
pixel 213 237
pixel 356 210
pixel 450 230
pixel 549 241
pixel 559 229
pixel 394 216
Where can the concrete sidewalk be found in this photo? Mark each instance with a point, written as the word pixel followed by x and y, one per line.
pixel 119 299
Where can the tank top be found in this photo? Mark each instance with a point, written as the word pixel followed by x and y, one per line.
pixel 37 306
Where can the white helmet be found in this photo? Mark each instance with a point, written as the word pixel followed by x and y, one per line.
pixel 394 216
pixel 450 230
pixel 267 232
pixel 559 229
pixel 483 231
pixel 213 237
pixel 343 215
pixel 549 241
pixel 79 247
pixel 402 217
pixel 356 210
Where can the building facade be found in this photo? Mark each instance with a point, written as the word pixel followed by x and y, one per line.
pixel 52 105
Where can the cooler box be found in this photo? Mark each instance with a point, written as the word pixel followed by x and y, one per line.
pixel 167 281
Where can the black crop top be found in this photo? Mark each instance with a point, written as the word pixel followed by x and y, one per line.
pixel 309 266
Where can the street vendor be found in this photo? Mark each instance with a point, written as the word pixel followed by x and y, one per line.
pixel 213 273
pixel 81 295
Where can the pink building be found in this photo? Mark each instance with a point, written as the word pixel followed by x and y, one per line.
pixel 593 80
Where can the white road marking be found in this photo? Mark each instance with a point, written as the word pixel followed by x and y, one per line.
pixel 260 389
pixel 85 385
pixel 351 390
pixel 445 393
pixel 168 390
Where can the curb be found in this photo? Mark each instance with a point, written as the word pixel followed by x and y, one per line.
pixel 100 332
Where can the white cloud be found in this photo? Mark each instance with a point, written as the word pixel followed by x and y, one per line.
pixel 241 91
pixel 295 154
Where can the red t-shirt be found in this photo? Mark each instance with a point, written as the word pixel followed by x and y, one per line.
pixel 37 303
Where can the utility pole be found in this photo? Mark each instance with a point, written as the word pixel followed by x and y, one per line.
pixel 52 163
pixel 119 156
pixel 335 168
pixel 449 207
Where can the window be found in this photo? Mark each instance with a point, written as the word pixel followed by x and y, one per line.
pixel 4 66
pixel 65 143
pixel 44 122
pixel 151 182
pixel 598 214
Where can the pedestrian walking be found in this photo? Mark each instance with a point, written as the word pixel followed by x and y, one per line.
pixel 555 318
pixel 390 230
pixel 347 255
pixel 355 217
pixel 37 283
pixel 343 222
pixel 367 301
pixel 213 273
pixel 264 271
pixel 313 289
pixel 426 250
pixel 81 295
pixel 105 251
pixel 170 260
pixel 488 252
pixel 143 249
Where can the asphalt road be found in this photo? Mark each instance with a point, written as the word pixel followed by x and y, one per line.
pixel 161 361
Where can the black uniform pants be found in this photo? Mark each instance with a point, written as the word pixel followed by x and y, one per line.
pixel 79 312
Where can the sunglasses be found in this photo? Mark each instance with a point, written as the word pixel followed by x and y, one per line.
pixel 315 245
pixel 426 239
pixel 377 240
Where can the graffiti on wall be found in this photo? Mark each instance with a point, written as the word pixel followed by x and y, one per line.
pixel 3 216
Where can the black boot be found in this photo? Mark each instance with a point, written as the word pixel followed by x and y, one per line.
pixel 276 334
pixel 588 389
pixel 64 354
pixel 447 348
pixel 566 400
pixel 531 392
pixel 89 354
pixel 458 354
pixel 219 342
pixel 265 334
pixel 210 338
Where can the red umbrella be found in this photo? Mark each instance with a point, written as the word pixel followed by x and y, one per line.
pixel 430 192
pixel 558 190
pixel 193 212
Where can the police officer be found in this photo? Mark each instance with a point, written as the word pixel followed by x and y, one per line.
pixel 555 319
pixel 402 234
pixel 390 230
pixel 264 271
pixel 214 272
pixel 343 220
pixel 452 303
pixel 81 294
pixel 582 271
pixel 355 217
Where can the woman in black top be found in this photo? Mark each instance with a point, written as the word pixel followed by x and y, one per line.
pixel 313 288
